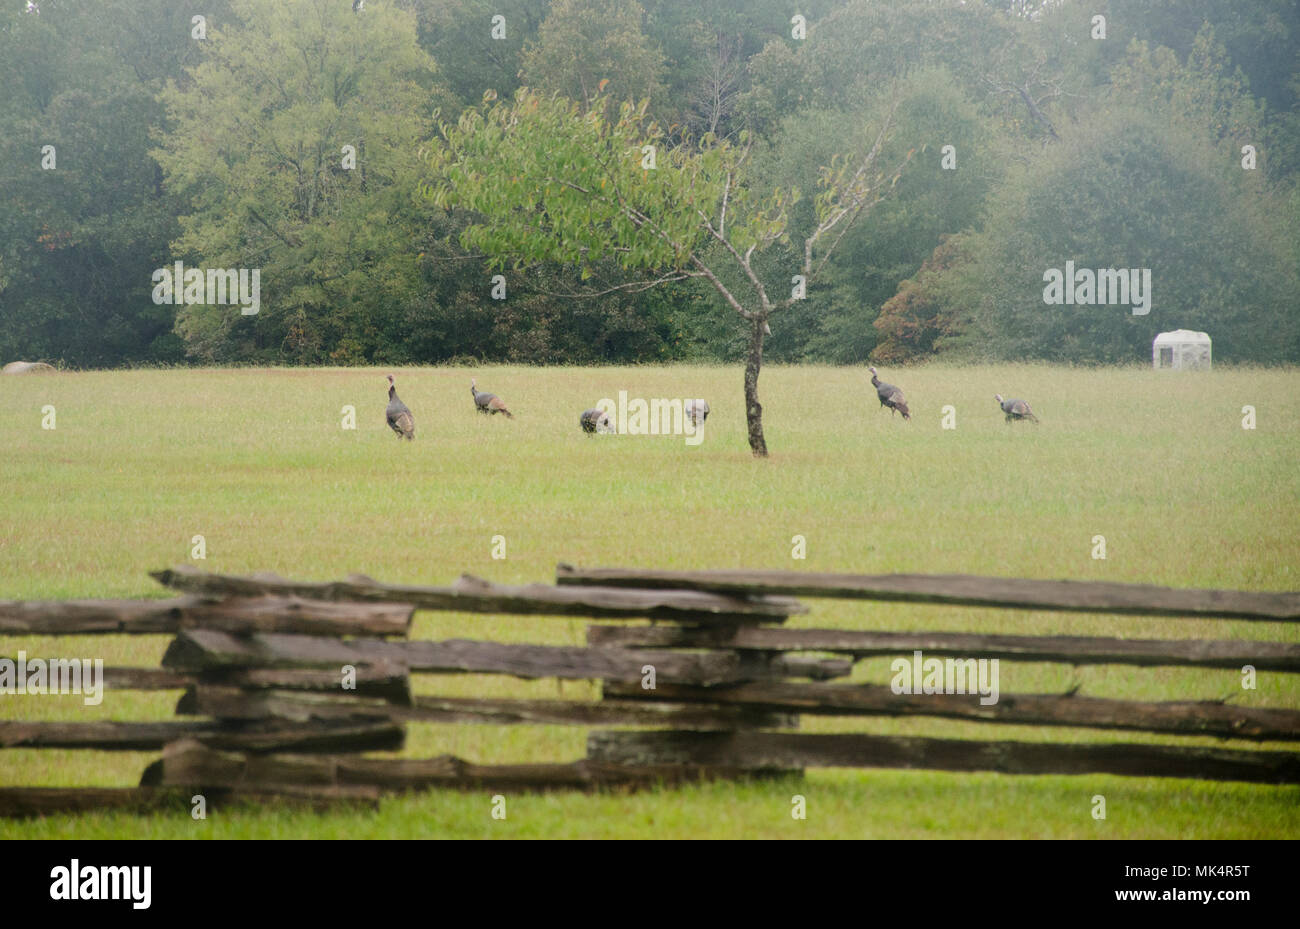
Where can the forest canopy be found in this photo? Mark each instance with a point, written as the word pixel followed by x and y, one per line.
pixel 301 140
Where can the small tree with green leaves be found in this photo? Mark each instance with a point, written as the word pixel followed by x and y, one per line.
pixel 548 180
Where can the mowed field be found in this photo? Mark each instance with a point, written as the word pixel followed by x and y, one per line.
pixel 256 461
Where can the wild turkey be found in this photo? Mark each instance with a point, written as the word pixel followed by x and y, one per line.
pixel 890 396
pixel 1015 409
pixel 697 411
pixel 595 420
pixel 488 403
pixel 400 419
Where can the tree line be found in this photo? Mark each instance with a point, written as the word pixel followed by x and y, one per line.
pixel 384 169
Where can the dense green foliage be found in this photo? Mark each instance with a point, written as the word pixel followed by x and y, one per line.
pixel 227 151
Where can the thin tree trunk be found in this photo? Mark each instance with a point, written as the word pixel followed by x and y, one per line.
pixel 754 409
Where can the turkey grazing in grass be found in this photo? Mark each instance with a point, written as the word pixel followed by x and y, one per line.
pixel 890 396
pixel 400 419
pixel 697 411
pixel 594 420
pixel 1015 409
pixel 486 402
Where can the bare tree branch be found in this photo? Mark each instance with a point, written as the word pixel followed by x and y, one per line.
pixel 1026 91
pixel 722 219
pixel 721 288
pixel 742 261
pixel 633 287
pixel 716 92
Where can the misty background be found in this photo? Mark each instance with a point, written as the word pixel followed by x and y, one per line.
pixel 1125 151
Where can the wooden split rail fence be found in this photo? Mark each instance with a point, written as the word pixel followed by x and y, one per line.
pixel 265 710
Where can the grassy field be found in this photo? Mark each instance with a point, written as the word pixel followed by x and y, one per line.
pixel 256 461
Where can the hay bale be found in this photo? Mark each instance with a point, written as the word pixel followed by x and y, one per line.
pixel 28 367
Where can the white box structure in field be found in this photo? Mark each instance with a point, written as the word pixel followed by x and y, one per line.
pixel 1181 349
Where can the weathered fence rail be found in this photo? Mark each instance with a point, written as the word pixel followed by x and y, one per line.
pixel 187 763
pixel 234 703
pixel 234 615
pixel 285 684
pixel 1205 717
pixel 1075 650
pixel 474 595
pixel 961 590
pixel 790 750
pixel 204 649
pixel 374 733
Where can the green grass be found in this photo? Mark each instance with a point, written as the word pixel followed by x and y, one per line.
pixel 256 462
